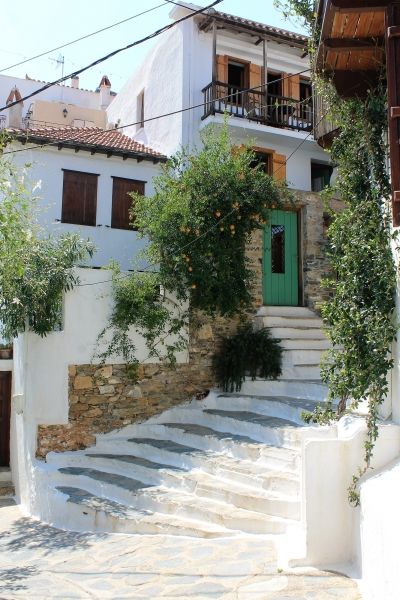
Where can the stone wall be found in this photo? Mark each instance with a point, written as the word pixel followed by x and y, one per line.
pixel 104 398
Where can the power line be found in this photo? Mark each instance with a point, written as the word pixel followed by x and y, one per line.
pixel 111 54
pixel 169 114
pixel 84 37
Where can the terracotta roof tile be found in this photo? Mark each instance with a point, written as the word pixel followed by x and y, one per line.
pixel 90 137
pixel 261 27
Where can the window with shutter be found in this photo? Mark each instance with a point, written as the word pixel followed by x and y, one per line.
pixel 122 201
pixel 79 199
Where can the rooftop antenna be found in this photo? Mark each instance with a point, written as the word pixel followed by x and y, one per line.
pixel 60 60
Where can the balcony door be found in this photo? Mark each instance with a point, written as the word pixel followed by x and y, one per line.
pixel 238 80
pixel 280 264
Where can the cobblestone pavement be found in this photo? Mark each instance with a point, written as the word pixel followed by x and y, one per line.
pixel 38 561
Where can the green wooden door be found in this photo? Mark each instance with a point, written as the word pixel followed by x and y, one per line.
pixel 280 265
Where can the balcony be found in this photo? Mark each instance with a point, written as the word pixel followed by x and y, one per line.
pixel 256 105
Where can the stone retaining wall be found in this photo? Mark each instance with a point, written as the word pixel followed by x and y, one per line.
pixel 104 398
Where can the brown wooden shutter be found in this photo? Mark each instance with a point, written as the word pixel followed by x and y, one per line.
pixel 79 200
pixel 122 202
pixel 255 76
pixel 279 166
pixel 295 87
pixel 287 85
pixel 222 68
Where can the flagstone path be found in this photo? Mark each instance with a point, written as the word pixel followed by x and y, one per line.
pixel 40 562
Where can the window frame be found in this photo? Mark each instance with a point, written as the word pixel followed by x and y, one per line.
pixel 84 221
pixel 130 224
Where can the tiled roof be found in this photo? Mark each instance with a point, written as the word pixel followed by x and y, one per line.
pixel 260 27
pixel 93 138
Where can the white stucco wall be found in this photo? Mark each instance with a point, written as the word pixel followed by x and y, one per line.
pixel 160 76
pixel 40 374
pixel 380 534
pixel 47 164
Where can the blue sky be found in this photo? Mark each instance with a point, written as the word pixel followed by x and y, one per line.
pixel 31 28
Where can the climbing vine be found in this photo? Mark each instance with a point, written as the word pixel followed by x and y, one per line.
pixel 206 205
pixel 359 315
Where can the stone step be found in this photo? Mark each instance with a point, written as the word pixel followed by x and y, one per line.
pixel 7 489
pixel 306 372
pixel 95 513
pixel 298 322
pixel 250 474
pixel 302 333
pixel 312 389
pixel 302 357
pixel 5 474
pixel 286 311
pixel 283 407
pixel 305 344
pixel 138 495
pixel 262 428
pixel 198 455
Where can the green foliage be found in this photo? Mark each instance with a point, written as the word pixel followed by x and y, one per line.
pixel 35 270
pixel 359 316
pixel 140 304
pixel 300 9
pixel 205 207
pixel 247 353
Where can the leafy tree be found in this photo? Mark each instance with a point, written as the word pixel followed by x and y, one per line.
pixel 35 268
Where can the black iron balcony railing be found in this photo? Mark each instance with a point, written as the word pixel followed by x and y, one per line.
pixel 257 105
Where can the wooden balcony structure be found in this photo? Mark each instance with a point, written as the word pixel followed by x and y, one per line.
pixel 358 39
pixel 258 105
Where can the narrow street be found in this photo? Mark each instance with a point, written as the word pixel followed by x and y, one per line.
pixel 38 561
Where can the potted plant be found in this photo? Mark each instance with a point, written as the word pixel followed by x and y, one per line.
pixel 6 350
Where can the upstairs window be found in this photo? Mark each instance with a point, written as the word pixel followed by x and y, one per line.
pixel 305 90
pixel 238 74
pixel 320 176
pixel 79 199
pixel 140 110
pixel 122 202
pixel 265 159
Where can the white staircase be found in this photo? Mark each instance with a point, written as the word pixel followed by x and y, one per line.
pixel 302 338
pixel 225 466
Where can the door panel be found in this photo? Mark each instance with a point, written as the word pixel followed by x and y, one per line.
pixel 5 415
pixel 280 265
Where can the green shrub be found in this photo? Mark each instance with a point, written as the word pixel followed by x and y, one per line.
pixel 247 353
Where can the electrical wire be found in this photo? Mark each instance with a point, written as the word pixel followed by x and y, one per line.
pixel 169 114
pixel 111 54
pixel 84 37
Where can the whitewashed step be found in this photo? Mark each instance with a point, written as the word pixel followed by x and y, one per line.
pixel 305 344
pixel 286 311
pixel 301 372
pixel 5 474
pixel 232 471
pixel 298 322
pixel 302 357
pixel 294 388
pixel 137 495
pixel 7 489
pixel 278 406
pixel 262 456
pixel 94 513
pixel 263 428
pixel 292 333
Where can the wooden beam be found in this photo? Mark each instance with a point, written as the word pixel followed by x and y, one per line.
pixel 359 44
pixel 214 52
pixel 360 5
